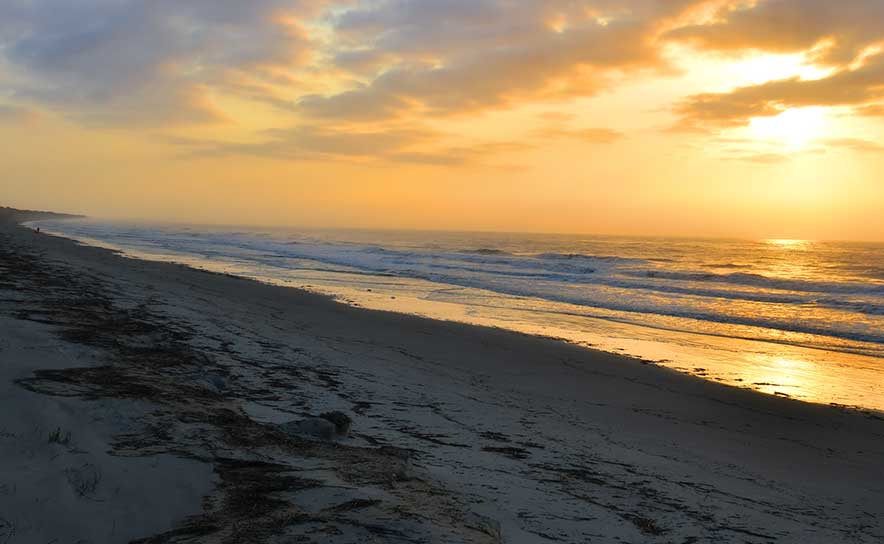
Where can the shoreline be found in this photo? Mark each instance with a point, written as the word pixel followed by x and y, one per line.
pixel 506 437
pixel 799 371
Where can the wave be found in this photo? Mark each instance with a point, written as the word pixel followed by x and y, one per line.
pixel 654 284
pixel 639 312
pixel 759 280
pixel 572 257
pixel 486 251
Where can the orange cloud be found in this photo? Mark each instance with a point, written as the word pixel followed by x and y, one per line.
pixel 846 87
pixel 443 58
pixel 587 135
pixel 855 144
pixel 759 158
pixel 842 30
pixel 318 143
pixel 354 73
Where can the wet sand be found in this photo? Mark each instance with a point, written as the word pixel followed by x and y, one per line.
pixel 142 401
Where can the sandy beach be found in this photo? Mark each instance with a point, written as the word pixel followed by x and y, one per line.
pixel 143 401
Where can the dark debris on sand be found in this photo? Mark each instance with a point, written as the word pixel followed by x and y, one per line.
pixel 149 358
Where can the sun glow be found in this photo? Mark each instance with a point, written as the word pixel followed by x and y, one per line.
pixel 795 128
pixel 784 243
pixel 763 68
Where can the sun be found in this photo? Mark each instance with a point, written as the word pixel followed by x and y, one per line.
pixel 794 129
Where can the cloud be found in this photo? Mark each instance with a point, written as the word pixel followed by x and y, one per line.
pixel 312 142
pixel 759 158
pixel 137 61
pixel 843 36
pixel 457 56
pixel 586 135
pixel 356 143
pixel 361 61
pixel 17 114
pixel 870 110
pixel 164 61
pixel 476 154
pixel 364 78
pixel 768 157
pixel 841 30
pixel 854 144
pixel 318 143
pixel 846 87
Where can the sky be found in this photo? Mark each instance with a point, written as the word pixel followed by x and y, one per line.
pixel 734 118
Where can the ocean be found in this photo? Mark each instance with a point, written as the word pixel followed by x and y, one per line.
pixel 795 318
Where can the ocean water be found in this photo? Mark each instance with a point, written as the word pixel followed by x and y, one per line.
pixel 802 319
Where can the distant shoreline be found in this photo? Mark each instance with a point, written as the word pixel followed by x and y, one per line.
pixel 22 216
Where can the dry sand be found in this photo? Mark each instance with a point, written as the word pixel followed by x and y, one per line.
pixel 142 400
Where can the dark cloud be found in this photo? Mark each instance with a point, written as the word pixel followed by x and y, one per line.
pixel 842 30
pixel 142 60
pixel 453 56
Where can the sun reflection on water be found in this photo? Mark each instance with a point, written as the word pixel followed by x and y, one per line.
pixel 788 243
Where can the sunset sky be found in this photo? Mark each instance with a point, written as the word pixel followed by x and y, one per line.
pixel 688 117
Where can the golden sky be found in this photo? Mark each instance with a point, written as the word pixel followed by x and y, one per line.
pixel 672 117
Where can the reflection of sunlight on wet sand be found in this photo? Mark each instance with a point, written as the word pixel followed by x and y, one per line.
pixel 801 373
pixel 806 374
pixel 823 377
pixel 780 375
